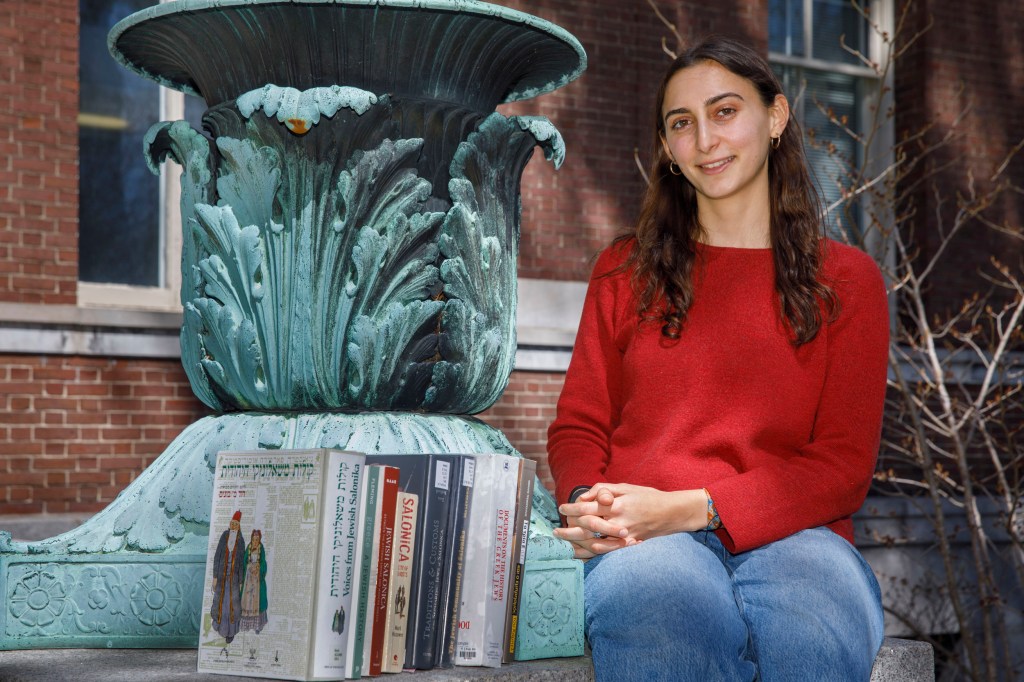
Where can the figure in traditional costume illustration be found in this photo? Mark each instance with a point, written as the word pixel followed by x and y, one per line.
pixel 338 622
pixel 400 601
pixel 228 573
pixel 254 589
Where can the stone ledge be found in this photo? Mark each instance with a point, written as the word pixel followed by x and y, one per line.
pixel 898 661
pixel 160 665
pixel 904 660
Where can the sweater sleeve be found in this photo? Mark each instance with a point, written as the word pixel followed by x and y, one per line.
pixel 825 481
pixel 588 410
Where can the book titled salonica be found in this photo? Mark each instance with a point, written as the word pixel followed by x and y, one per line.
pixel 280 566
pixel 396 623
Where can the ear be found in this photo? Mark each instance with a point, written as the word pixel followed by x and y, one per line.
pixel 664 146
pixel 778 113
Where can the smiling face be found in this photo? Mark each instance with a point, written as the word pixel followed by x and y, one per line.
pixel 718 131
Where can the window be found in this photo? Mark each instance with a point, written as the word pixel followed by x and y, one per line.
pixel 805 44
pixel 129 230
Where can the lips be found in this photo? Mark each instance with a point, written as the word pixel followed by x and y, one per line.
pixel 716 166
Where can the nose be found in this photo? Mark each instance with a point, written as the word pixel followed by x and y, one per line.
pixel 706 137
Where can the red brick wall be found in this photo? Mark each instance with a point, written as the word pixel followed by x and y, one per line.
pixel 74 431
pixel 38 151
pixel 970 63
pixel 524 413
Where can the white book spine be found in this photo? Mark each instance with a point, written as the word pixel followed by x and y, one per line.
pixel 339 518
pixel 470 642
pixel 505 487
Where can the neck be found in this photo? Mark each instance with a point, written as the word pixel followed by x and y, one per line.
pixel 737 221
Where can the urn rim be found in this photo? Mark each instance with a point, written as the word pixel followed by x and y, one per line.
pixel 559 56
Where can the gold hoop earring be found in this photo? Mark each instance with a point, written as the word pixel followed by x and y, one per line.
pixel 674 168
pixel 776 142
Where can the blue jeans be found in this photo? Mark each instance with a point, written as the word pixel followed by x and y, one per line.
pixel 681 607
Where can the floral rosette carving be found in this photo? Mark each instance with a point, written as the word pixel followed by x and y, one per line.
pixel 38 599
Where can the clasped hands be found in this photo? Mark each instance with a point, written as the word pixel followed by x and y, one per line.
pixel 611 516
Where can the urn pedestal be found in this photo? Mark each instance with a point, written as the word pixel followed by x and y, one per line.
pixel 350 213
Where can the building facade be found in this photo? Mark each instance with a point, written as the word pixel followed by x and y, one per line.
pixel 91 386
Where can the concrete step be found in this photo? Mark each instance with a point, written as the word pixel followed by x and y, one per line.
pixel 898 661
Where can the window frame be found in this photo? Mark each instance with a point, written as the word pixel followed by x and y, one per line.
pixel 166 296
pixel 879 153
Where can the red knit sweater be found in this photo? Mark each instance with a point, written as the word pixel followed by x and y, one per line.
pixel 783 438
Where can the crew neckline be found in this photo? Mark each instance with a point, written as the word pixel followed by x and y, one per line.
pixel 713 248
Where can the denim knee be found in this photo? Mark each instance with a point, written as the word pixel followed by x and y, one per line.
pixel 660 605
pixel 813 607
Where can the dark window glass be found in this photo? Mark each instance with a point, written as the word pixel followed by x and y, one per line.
pixel 835 19
pixel 831 153
pixel 786 27
pixel 119 200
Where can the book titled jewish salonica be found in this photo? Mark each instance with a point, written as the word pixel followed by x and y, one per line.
pixel 280 574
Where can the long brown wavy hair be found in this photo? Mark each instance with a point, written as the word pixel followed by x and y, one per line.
pixel 664 240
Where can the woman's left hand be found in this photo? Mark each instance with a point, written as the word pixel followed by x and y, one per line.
pixel 644 512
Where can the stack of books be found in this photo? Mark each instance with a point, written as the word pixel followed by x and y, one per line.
pixel 328 565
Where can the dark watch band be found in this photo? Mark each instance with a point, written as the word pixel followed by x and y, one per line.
pixel 577 491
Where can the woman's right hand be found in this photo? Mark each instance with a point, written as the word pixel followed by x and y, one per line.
pixel 589 533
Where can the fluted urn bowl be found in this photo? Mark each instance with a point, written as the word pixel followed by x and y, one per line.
pixel 351 212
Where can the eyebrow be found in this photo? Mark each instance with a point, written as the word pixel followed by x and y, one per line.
pixel 708 102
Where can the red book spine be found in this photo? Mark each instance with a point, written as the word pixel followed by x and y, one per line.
pixel 389 502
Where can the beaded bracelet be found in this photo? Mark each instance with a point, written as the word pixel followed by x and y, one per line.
pixel 714 523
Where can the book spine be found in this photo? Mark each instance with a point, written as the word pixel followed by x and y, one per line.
pixel 505 484
pixel 365 557
pixel 389 500
pixel 524 508
pixel 339 518
pixel 420 651
pixel 469 644
pixel 351 618
pixel 448 625
pixel 371 589
pixel 401 583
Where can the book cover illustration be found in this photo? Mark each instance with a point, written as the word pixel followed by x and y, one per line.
pixel 239 587
pixel 265 564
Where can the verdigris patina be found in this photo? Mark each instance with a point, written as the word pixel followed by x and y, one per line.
pixel 351 222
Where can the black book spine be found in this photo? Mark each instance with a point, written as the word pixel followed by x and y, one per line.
pixel 448 614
